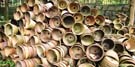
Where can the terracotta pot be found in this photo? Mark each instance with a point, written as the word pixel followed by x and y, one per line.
pixel 87 39
pixel 45 35
pixel 62 4
pixel 100 20
pixel 17 15
pixel 111 59
pixel 129 44
pixel 119 48
pixel 17 39
pixel 116 21
pixel 52 12
pixel 10 29
pixel 107 29
pixel 98 35
pixel 57 33
pixel 85 60
pixel 40 50
pixel 94 11
pixel 63 50
pixel 24 8
pixel 69 39
pixel 73 7
pixel 38 8
pixel 55 22
pixel 78 17
pixel 90 20
pixel 45 62
pixel 53 56
pixel 33 40
pixel 108 44
pixel 95 52
pixel 78 28
pixel 118 26
pixel 85 10
pixel 77 51
pixel 8 51
pixel 40 17
pixel 39 27
pixel 30 24
pixel 67 20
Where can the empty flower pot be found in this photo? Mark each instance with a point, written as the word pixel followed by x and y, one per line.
pixel 95 52
pixel 85 60
pixel 118 26
pixel 57 33
pixel 77 51
pixel 129 44
pixel 67 20
pixel 78 28
pixel 53 11
pixel 78 17
pixel 62 4
pixel 24 7
pixel 10 29
pixel 87 39
pixel 94 11
pixel 20 64
pixel 90 20
pixel 69 39
pixel 55 22
pixel 100 20
pixel 85 10
pixel 38 8
pixel 40 17
pixel 107 29
pixel 98 35
pixel 40 50
pixel 119 48
pixel 73 7
pixel 33 40
pixel 45 35
pixel 108 44
pixel 39 27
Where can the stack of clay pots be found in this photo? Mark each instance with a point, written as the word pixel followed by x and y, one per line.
pixel 62 33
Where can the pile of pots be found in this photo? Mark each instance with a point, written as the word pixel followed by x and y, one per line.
pixel 61 33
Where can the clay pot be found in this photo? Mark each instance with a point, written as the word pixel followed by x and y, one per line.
pixel 67 20
pixel 9 51
pixel 95 52
pixel 98 35
pixel 39 27
pixel 62 4
pixel 110 60
pixel 100 20
pixel 55 22
pixel 78 17
pixel 90 20
pixel 78 28
pixel 85 60
pixel 24 8
pixel 129 44
pixel 69 39
pixel 94 11
pixel 87 39
pixel 118 26
pixel 38 8
pixel 77 51
pixel 85 10
pixel 33 40
pixel 45 35
pixel 40 17
pixel 108 44
pixel 73 7
pixel 52 12
pixel 57 33
pixel 107 29
pixel 10 29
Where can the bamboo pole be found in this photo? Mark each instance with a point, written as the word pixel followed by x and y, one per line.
pixel 132 12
